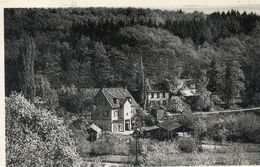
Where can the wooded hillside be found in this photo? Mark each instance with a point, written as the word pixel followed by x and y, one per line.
pixel 101 47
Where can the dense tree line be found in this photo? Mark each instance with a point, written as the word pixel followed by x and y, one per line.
pixel 102 47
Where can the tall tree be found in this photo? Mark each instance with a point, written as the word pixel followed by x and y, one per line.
pixel 141 83
pixel 119 65
pixel 101 66
pixel 234 83
pixel 36 137
pixel 53 68
pixel 214 75
pixel 28 54
pixel 203 102
pixel 47 94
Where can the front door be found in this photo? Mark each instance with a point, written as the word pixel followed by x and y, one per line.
pixel 127 124
pixel 115 128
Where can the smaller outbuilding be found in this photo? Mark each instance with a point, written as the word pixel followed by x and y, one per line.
pixel 94 132
pixel 166 130
pixel 151 132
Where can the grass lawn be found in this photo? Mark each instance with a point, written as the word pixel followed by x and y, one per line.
pixel 221 158
pixel 180 159
pixel 218 156
pixel 248 147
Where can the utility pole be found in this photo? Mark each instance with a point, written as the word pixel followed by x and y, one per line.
pixel 136 150
pixel 137 133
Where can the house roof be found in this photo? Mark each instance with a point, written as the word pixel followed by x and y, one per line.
pixel 150 128
pixel 111 93
pixel 188 92
pixel 157 87
pixel 169 125
pixel 95 128
pixel 122 101
pixel 90 92
pixel 120 93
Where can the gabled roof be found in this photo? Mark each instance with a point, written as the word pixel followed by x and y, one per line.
pixel 119 93
pixel 188 92
pixel 157 87
pixel 169 125
pixel 150 128
pixel 90 92
pixel 95 128
pixel 122 101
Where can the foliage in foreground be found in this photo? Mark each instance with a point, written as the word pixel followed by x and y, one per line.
pixel 187 144
pixel 111 144
pixel 158 153
pixel 35 137
pixel 168 154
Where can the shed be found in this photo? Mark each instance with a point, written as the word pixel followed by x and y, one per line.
pixel 168 129
pixel 94 132
pixel 151 132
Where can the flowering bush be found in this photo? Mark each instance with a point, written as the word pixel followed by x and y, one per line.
pixel 111 144
pixel 35 137
pixel 236 156
pixel 153 152
pixel 187 144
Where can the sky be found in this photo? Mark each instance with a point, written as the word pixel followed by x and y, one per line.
pixel 207 6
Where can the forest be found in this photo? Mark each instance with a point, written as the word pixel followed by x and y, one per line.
pixel 48 51
pixel 52 55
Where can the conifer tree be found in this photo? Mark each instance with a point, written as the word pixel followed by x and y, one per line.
pixel 234 83
pixel 215 84
pixel 141 83
pixel 101 66
pixel 28 54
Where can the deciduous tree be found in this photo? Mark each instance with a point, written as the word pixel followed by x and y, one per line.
pixel 36 137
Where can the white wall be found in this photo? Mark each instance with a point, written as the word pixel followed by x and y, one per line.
pixel 155 99
pixel 113 115
pixel 160 96
pixel 127 110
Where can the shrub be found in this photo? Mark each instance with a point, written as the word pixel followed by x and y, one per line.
pixel 187 144
pixel 36 137
pixel 111 144
pixel 202 159
pixel 81 142
pixel 236 156
pixel 158 153
pixel 101 147
pixel 249 126
pixel 242 127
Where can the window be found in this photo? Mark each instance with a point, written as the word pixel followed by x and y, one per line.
pixel 163 94
pixel 152 95
pixel 158 95
pixel 120 127
pixel 159 102
pixel 115 100
pixel 164 102
pixel 115 113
